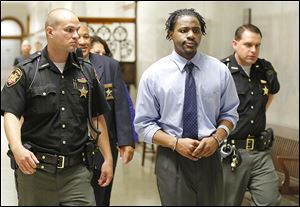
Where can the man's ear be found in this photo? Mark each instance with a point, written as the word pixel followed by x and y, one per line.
pixel 234 44
pixel 49 31
pixel 170 35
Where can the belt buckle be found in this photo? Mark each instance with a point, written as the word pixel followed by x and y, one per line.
pixel 250 143
pixel 61 161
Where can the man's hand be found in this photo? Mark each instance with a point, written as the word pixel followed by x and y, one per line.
pixel 25 159
pixel 106 174
pixel 126 153
pixel 186 147
pixel 206 147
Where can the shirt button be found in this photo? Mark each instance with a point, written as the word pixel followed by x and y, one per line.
pixel 63 126
pixel 62 92
pixel 62 108
pixel 44 93
pixel 62 77
pixel 249 80
pixel 251 121
pixel 64 142
pixel 252 107
pixel 251 93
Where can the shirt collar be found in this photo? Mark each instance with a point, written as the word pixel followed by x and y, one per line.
pixel 45 61
pixel 181 61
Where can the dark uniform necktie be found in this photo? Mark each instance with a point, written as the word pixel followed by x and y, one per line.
pixel 190 123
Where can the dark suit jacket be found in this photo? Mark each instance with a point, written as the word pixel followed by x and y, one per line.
pixel 118 120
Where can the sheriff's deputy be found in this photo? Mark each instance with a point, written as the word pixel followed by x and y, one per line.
pixel 50 90
pixel 256 83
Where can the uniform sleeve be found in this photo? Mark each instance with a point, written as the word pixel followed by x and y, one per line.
pixel 122 111
pixel 271 77
pixel 13 94
pixel 99 103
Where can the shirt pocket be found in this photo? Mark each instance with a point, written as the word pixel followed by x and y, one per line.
pixel 79 100
pixel 44 99
pixel 244 98
pixel 264 92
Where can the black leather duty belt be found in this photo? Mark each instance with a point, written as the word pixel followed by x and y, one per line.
pixel 252 143
pixel 50 163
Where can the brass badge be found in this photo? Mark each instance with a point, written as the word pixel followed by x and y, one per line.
pixel 83 92
pixel 14 77
pixel 263 81
pixel 108 91
pixel 81 80
pixel 266 91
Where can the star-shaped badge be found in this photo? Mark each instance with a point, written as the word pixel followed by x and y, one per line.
pixel 83 92
pixel 108 92
pixel 266 90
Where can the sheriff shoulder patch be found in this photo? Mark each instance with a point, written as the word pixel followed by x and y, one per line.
pixel 14 77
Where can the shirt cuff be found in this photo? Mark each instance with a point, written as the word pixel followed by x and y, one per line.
pixel 149 135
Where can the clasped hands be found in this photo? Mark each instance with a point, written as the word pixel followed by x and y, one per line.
pixel 197 149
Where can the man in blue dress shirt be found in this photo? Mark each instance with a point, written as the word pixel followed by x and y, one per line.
pixel 188 169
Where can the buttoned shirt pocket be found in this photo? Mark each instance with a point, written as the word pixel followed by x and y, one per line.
pixel 264 91
pixel 44 99
pixel 245 98
pixel 79 99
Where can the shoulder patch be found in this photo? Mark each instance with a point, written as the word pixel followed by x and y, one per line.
pixel 14 77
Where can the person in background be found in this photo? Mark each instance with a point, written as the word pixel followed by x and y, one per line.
pixel 256 83
pixel 118 118
pixel 38 46
pixel 25 52
pixel 187 104
pixel 100 46
pixel 50 149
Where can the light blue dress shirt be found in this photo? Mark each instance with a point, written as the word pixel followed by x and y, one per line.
pixel 160 96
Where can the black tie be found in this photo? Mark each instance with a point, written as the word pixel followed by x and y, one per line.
pixel 190 123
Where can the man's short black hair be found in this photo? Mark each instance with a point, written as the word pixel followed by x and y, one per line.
pixel 170 23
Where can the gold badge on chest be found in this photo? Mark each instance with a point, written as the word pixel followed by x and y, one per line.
pixel 83 92
pixel 266 91
pixel 109 91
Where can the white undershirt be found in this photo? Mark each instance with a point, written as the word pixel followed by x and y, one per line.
pixel 60 66
pixel 247 69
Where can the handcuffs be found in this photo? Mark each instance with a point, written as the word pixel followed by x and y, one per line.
pixel 230 151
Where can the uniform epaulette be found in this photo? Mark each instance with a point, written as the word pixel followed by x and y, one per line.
pixel 225 60
pixel 31 58
pixel 266 65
